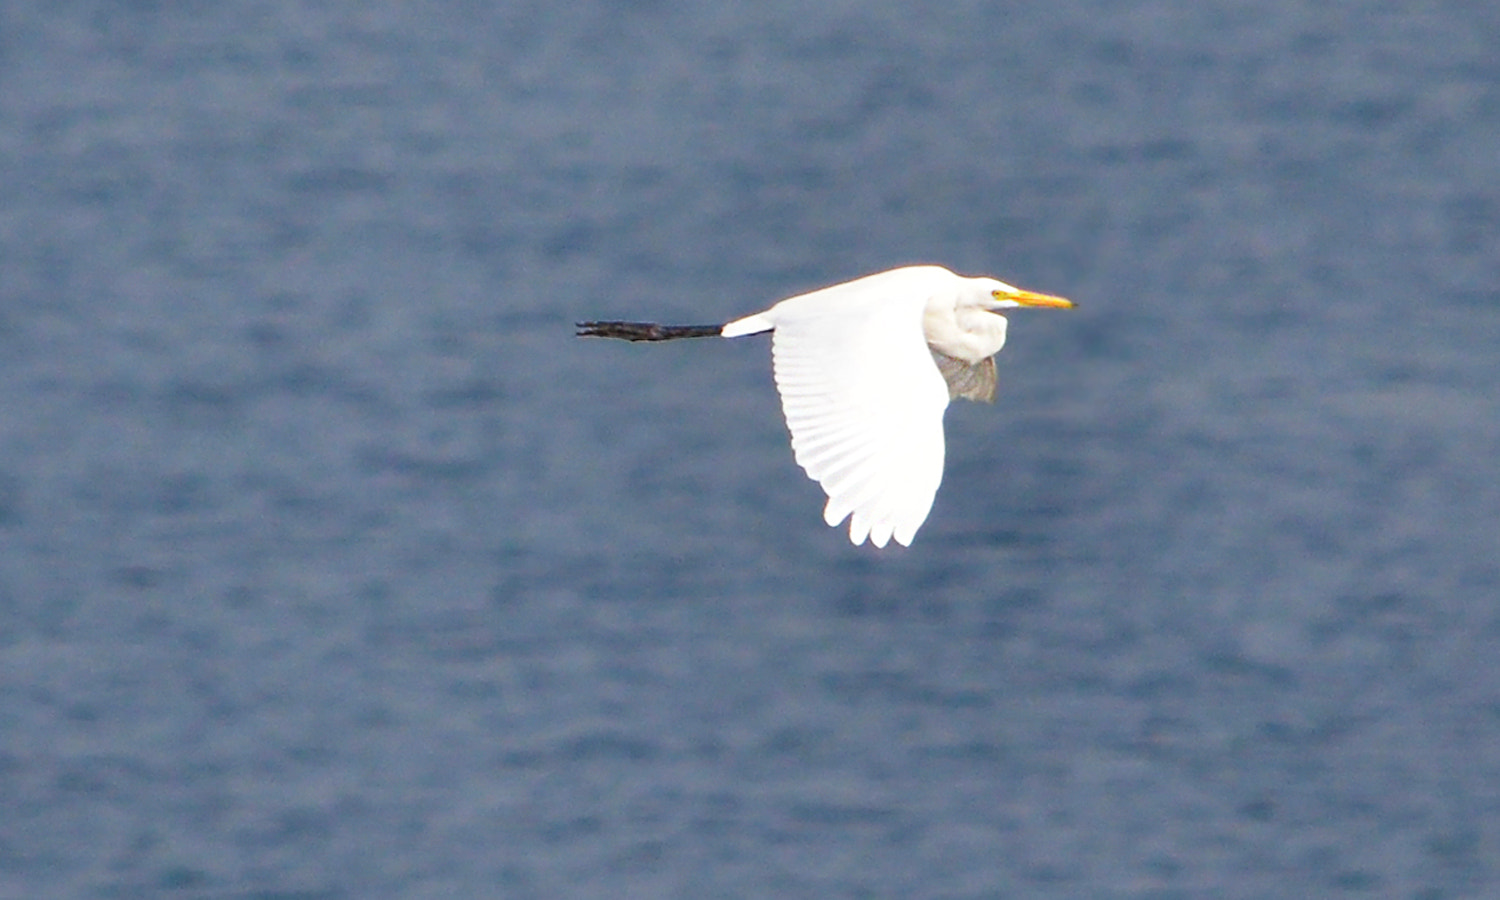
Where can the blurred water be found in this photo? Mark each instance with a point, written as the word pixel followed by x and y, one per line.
pixel 331 565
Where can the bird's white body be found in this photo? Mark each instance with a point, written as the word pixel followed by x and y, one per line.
pixel 865 370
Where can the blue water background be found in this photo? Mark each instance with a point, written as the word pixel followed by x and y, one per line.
pixel 333 566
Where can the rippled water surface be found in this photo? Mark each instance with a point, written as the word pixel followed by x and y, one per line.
pixel 333 566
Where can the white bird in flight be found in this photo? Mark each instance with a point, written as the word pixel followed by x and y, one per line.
pixel 865 370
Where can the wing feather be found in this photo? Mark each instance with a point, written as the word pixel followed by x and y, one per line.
pixel 864 401
pixel 971 381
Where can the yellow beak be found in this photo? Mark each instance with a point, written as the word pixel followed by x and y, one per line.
pixel 1031 298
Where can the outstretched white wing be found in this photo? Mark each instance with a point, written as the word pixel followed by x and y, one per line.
pixel 864 401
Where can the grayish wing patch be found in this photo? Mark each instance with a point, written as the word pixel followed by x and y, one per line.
pixel 970 381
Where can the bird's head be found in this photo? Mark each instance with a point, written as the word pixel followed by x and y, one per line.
pixel 967 324
pixel 999 295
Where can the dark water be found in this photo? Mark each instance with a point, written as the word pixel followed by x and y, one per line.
pixel 332 566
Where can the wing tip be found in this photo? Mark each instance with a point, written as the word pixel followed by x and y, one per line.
pixel 878 531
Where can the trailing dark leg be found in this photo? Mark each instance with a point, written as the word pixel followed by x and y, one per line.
pixel 646 331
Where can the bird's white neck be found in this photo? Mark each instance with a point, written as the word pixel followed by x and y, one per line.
pixel 967 333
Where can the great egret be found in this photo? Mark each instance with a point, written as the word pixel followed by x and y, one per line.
pixel 865 370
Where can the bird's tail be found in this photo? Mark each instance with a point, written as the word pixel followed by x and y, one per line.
pixel 647 331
